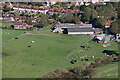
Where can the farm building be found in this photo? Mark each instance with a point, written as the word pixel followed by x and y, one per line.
pixel 80 31
pixel 20 25
pixel 73 28
pixel 103 38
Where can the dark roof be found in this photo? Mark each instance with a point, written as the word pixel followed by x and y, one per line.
pixel 80 30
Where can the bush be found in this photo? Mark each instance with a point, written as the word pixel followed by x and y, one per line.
pixel 89 71
pixel 102 61
pixel 60 74
pixel 98 62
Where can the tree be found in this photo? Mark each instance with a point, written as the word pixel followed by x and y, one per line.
pixel 55 16
pixel 73 7
pixel 98 22
pixel 94 15
pixel 55 6
pixel 80 17
pixel 115 5
pixel 66 18
pixel 38 25
pixel 91 5
pixel 87 14
pixel 43 22
pixel 6 9
pixel 89 71
pixel 109 5
pixel 82 7
pixel 115 28
pixel 107 11
pixel 28 21
pixel 36 3
pixel 76 19
pixel 59 3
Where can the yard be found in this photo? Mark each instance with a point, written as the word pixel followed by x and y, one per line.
pixel 50 51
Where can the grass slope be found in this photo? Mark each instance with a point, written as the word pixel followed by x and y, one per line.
pixel 48 53
pixel 107 71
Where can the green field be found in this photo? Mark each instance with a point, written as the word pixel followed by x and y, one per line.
pixel 49 51
pixel 107 71
pixel 6 24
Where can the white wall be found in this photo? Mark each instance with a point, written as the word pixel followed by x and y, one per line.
pixel 80 32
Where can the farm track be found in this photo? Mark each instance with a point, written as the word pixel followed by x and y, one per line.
pixel 41 34
pixel 13 38
pixel 27 34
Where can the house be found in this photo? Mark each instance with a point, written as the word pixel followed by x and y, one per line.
pixel 100 36
pixel 3 5
pixel 20 25
pixel 32 9
pixel 17 18
pixel 35 19
pixel 76 29
pixel 103 38
pixel 104 0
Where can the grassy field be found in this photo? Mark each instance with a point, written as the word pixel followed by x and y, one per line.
pixel 9 34
pixel 107 71
pixel 49 52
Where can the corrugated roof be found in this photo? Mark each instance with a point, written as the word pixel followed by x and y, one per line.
pixel 80 30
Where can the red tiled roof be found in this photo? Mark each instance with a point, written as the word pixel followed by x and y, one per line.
pixel 41 8
pixel 3 5
pixel 21 23
pixel 19 17
pixel 21 6
pixel 54 9
pixel 35 8
pixel 108 23
pixel 10 15
pixel 17 6
pixel 28 7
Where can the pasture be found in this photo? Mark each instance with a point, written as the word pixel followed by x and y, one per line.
pixel 50 51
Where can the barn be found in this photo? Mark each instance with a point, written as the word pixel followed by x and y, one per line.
pixel 80 31
pixel 73 29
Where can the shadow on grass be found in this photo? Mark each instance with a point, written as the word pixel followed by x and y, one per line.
pixel 110 52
